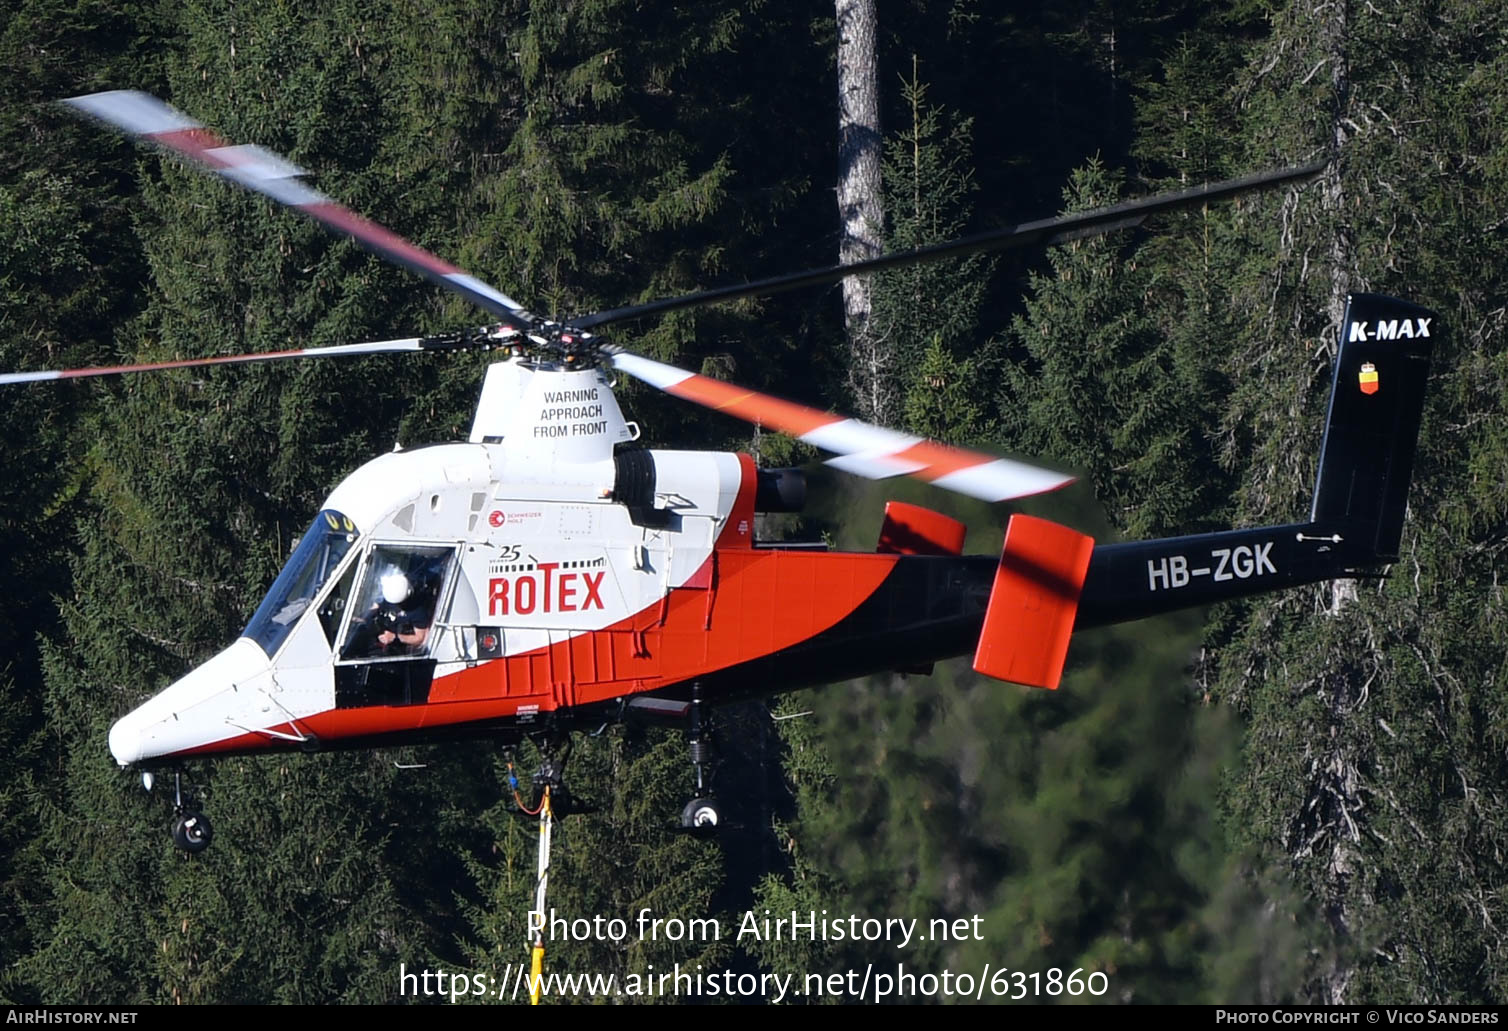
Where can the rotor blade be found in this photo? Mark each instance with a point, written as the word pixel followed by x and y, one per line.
pixel 866 450
pixel 378 347
pixel 1043 232
pixel 264 172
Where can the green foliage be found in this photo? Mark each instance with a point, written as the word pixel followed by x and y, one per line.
pixel 925 315
pixel 1312 815
pixel 1104 390
pixel 1367 755
pixel 66 257
pixel 945 403
pixel 1073 825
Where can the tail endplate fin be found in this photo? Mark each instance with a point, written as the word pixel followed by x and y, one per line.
pixel 1033 603
pixel 913 530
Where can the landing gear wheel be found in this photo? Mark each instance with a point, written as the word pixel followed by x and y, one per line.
pixel 702 816
pixel 191 831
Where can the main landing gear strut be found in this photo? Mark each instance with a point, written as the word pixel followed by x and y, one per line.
pixel 702 814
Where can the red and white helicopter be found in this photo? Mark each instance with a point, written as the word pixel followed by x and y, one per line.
pixel 545 574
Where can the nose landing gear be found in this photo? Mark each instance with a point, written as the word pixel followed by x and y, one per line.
pixel 191 829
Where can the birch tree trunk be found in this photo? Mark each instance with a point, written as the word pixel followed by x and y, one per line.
pixel 871 378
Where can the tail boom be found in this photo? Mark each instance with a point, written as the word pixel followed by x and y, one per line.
pixel 1146 578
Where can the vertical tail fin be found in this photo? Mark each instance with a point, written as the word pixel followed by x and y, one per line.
pixel 1366 462
pixel 1377 400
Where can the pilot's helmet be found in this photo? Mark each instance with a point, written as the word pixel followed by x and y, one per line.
pixel 394 586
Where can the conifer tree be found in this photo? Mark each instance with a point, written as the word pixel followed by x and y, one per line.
pixel 608 193
pixel 1036 812
pixel 68 263
pixel 1368 754
pixel 589 155
pixel 1103 390
pixel 582 167
pixel 196 486
pixel 927 316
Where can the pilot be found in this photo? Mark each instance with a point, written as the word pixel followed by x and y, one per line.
pixel 401 617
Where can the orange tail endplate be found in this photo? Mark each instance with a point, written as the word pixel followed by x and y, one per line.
pixel 1033 603
pixel 913 530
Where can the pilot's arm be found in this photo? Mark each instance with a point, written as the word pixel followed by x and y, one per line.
pixel 400 631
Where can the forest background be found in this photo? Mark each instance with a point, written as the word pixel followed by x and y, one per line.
pixel 1298 797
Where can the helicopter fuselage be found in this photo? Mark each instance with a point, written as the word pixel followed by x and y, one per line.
pixel 537 606
pixel 543 614
pixel 555 575
pixel 556 578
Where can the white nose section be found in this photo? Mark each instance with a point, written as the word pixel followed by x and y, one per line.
pixel 210 704
pixel 125 740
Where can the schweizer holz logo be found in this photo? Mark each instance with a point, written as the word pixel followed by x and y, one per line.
pixel 1368 378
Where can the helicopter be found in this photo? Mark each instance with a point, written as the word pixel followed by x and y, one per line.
pixel 547 574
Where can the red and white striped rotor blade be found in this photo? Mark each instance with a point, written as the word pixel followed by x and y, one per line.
pixel 376 347
pixel 863 449
pixel 255 168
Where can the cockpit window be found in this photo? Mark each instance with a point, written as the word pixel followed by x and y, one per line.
pixel 395 602
pixel 316 558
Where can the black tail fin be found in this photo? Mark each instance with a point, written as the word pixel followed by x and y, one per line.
pixel 1376 403
pixel 1366 461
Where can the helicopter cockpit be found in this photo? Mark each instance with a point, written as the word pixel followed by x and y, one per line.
pixel 394 600
pixel 315 559
pixel 395 605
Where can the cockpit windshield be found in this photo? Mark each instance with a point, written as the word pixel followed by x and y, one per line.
pixel 312 564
